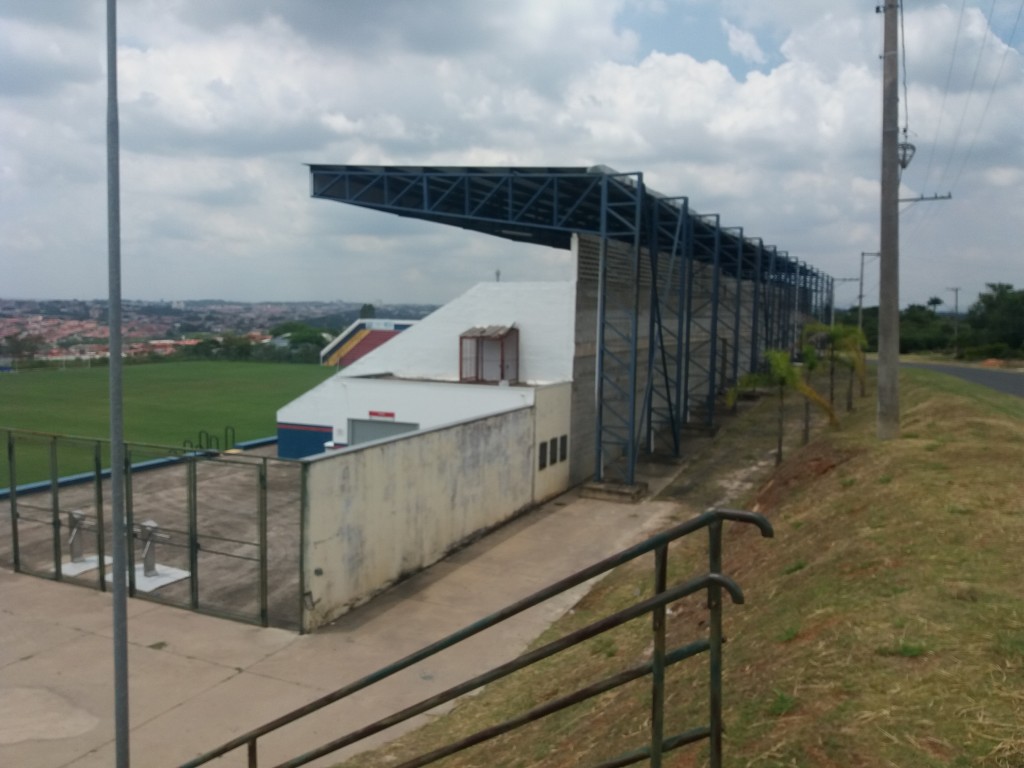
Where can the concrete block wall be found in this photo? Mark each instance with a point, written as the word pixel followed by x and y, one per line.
pixel 378 513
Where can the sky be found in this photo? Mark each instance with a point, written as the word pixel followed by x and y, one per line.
pixel 767 112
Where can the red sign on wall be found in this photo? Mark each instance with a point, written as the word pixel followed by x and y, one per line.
pixel 382 415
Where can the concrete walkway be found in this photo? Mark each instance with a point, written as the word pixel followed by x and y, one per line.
pixel 197 681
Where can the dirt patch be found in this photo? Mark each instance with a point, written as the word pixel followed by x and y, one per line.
pixel 811 462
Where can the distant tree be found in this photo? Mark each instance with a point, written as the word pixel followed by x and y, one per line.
pixel 306 337
pixel 292 326
pixel 997 317
pixel 207 349
pixel 934 302
pixel 236 347
pixel 367 310
pixel 23 346
pixel 921 329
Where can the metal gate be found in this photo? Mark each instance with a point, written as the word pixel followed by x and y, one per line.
pixel 198 523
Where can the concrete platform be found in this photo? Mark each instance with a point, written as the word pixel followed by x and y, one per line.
pixel 196 681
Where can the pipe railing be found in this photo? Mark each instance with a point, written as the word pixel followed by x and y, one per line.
pixel 713 582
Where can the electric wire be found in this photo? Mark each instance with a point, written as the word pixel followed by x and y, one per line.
pixel 991 94
pixel 970 90
pixel 945 93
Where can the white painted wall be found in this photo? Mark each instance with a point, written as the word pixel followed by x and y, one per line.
pixel 427 403
pixel 552 417
pixel 379 512
pixel 544 313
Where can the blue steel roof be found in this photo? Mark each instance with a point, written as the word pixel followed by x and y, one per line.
pixel 542 205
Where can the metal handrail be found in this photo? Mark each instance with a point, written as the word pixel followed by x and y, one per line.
pixel 714 582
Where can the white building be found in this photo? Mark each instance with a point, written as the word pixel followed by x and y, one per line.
pixel 448 429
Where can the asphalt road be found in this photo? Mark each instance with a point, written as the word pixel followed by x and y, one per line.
pixel 1008 382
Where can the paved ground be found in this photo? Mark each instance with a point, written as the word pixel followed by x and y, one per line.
pixel 226 522
pixel 197 681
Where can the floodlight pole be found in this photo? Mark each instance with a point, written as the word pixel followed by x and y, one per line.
pixel 120 602
pixel 888 425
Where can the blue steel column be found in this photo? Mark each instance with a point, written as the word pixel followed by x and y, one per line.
pixel 631 448
pixel 688 310
pixel 602 260
pixel 621 219
pixel 713 353
pixel 685 259
pixel 756 309
pixel 738 317
pixel 832 299
pixel 769 305
pixel 799 303
pixel 665 363
pixel 819 291
pixel 655 336
pixel 785 303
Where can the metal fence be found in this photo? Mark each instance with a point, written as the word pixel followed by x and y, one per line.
pixel 657 743
pixel 215 532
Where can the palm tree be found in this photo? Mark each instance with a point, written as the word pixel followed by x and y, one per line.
pixel 783 374
pixel 850 346
pixel 844 346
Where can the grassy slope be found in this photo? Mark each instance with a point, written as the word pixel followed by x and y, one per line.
pixel 884 625
pixel 164 403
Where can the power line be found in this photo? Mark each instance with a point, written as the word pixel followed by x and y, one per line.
pixel 945 92
pixel 991 94
pixel 970 89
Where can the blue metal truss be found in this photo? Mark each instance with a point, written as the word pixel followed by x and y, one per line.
pixel 638 401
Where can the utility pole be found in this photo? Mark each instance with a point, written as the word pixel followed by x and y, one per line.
pixel 832 293
pixel 888 425
pixel 117 453
pixel 956 320
pixel 860 293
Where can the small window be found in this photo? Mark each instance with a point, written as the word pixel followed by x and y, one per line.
pixel 553 451
pixel 563 447
pixel 489 354
pixel 543 455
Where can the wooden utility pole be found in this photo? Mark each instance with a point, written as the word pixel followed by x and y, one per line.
pixel 889 261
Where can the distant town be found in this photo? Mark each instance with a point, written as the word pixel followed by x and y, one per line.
pixel 68 330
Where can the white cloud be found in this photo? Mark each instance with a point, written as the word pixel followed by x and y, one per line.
pixel 743 44
pixel 222 103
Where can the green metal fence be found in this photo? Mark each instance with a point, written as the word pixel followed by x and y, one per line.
pixel 209 531
pixel 713 583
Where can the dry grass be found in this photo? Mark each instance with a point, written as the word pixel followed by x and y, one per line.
pixel 884 625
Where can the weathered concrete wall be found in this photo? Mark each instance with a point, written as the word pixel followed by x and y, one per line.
pixel 552 414
pixel 385 510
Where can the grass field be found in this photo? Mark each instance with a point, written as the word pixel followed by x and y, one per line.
pixel 884 625
pixel 164 403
